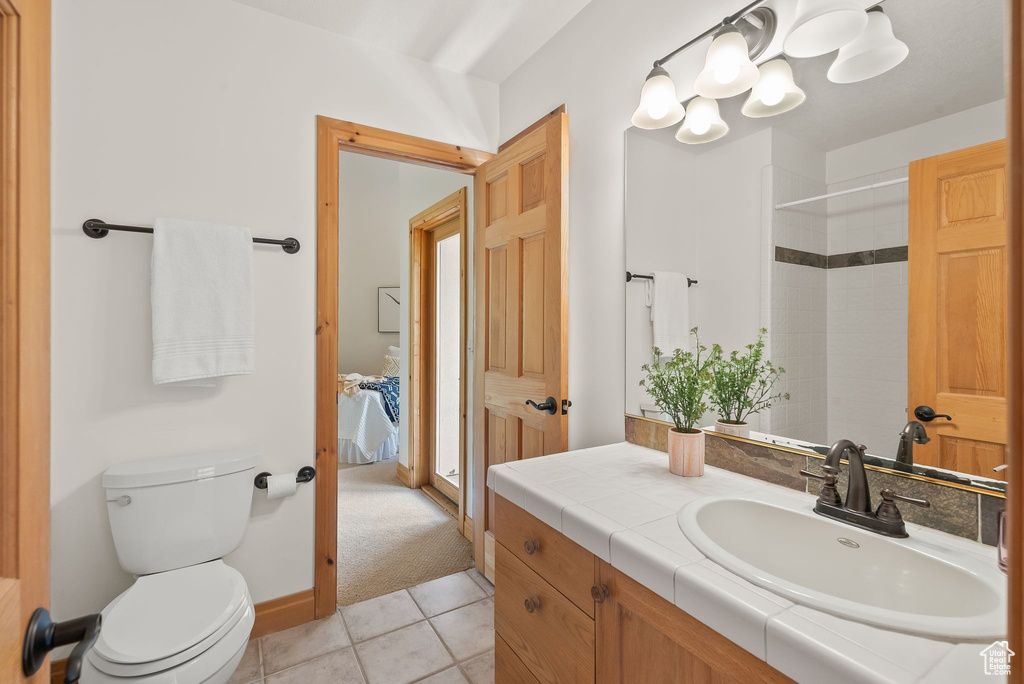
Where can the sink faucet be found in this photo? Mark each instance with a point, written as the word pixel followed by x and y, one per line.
pixel 857 510
pixel 913 433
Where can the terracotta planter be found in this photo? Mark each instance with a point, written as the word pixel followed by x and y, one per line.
pixel 734 429
pixel 686 453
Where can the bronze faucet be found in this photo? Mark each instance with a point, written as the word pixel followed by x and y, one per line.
pixel 913 433
pixel 857 509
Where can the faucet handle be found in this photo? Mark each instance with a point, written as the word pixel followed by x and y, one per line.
pixel 889 495
pixel 887 511
pixel 829 494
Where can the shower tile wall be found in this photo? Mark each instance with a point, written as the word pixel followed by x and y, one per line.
pixel 796 321
pixel 867 315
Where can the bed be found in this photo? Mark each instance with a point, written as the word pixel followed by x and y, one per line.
pixel 368 419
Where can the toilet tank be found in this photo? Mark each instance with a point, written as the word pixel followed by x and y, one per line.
pixel 168 513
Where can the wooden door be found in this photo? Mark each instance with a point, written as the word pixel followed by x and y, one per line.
pixel 24 325
pixel 521 286
pixel 644 639
pixel 444 220
pixel 957 337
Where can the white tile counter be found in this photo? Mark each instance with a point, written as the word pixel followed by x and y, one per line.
pixel 620 502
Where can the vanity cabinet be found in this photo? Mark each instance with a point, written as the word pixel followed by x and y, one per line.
pixel 562 616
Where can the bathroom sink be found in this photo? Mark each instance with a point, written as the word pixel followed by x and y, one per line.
pixel 919 586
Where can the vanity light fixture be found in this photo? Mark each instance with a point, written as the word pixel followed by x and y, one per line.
pixel 659 106
pixel 728 70
pixel 822 26
pixel 775 91
pixel 873 52
pixel 703 123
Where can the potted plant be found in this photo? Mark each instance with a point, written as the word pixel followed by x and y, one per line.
pixel 741 385
pixel 678 386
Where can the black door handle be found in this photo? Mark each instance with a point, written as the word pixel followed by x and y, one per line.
pixel 927 414
pixel 551 406
pixel 43 635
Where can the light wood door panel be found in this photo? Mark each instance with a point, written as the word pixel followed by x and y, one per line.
pixel 521 279
pixel 958 275
pixel 24 326
pixel 644 639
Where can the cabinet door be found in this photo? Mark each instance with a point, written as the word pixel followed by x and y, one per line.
pixel 644 639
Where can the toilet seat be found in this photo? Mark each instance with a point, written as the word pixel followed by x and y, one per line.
pixel 170 618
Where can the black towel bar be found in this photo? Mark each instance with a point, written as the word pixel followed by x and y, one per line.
pixel 305 474
pixel 97 229
pixel 690 282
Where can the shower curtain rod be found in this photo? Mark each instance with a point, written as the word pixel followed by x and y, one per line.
pixel 843 192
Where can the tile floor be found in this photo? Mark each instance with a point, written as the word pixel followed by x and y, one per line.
pixel 441 632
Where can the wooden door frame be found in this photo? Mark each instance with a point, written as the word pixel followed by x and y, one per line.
pixel 25 314
pixel 332 137
pixel 421 227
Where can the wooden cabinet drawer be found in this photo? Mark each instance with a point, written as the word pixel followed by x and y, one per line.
pixel 566 565
pixel 553 638
pixel 508 668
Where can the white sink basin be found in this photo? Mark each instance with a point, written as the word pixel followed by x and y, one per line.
pixel 918 586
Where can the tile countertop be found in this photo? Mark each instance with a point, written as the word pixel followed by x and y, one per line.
pixel 620 502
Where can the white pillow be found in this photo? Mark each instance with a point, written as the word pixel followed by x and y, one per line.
pixel 391 366
pixel 394 351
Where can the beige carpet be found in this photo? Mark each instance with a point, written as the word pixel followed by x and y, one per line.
pixel 391 537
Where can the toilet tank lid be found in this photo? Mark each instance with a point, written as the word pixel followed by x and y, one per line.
pixel 171 469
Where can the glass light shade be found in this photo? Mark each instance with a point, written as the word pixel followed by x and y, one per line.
pixel 873 52
pixel 775 92
pixel 703 123
pixel 659 106
pixel 822 26
pixel 728 70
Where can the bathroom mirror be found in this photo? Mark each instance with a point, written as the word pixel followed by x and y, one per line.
pixel 885 298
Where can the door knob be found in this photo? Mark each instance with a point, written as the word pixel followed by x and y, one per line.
pixel 927 414
pixel 43 635
pixel 551 406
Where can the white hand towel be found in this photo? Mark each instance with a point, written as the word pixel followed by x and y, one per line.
pixel 670 312
pixel 204 311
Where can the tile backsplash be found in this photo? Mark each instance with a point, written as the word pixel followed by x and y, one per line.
pixel 954 510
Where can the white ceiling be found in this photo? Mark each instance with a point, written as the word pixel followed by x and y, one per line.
pixel 488 39
pixel 956 62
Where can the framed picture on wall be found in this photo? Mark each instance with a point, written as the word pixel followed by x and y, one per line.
pixel 387 309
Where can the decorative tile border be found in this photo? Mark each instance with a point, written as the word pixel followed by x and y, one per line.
pixel 955 510
pixel 800 258
pixel 867 257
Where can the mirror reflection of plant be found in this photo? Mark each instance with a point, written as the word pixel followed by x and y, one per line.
pixel 741 385
pixel 678 385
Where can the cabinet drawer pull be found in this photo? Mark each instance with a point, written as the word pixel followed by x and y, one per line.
pixel 531 603
pixel 599 592
pixel 531 546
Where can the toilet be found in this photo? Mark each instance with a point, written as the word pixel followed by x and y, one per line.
pixel 188 616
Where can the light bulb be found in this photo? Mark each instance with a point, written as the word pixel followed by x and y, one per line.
pixel 657 110
pixel 659 107
pixel 700 126
pixel 775 92
pixel 728 70
pixel 727 73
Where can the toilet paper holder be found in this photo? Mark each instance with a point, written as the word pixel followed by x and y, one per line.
pixel 305 474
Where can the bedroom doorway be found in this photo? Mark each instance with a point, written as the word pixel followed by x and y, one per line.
pixel 401 349
pixel 437 452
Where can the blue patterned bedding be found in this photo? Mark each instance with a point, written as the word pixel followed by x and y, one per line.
pixel 388 392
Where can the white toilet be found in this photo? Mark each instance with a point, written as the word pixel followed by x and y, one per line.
pixel 187 617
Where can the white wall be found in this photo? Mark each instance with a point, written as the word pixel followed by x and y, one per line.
pixel 371 239
pixel 661 235
pixel 975 126
pixel 201 109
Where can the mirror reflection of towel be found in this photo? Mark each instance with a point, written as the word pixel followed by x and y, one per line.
pixel 670 312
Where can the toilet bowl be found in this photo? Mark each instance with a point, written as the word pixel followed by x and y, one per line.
pixel 187 617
